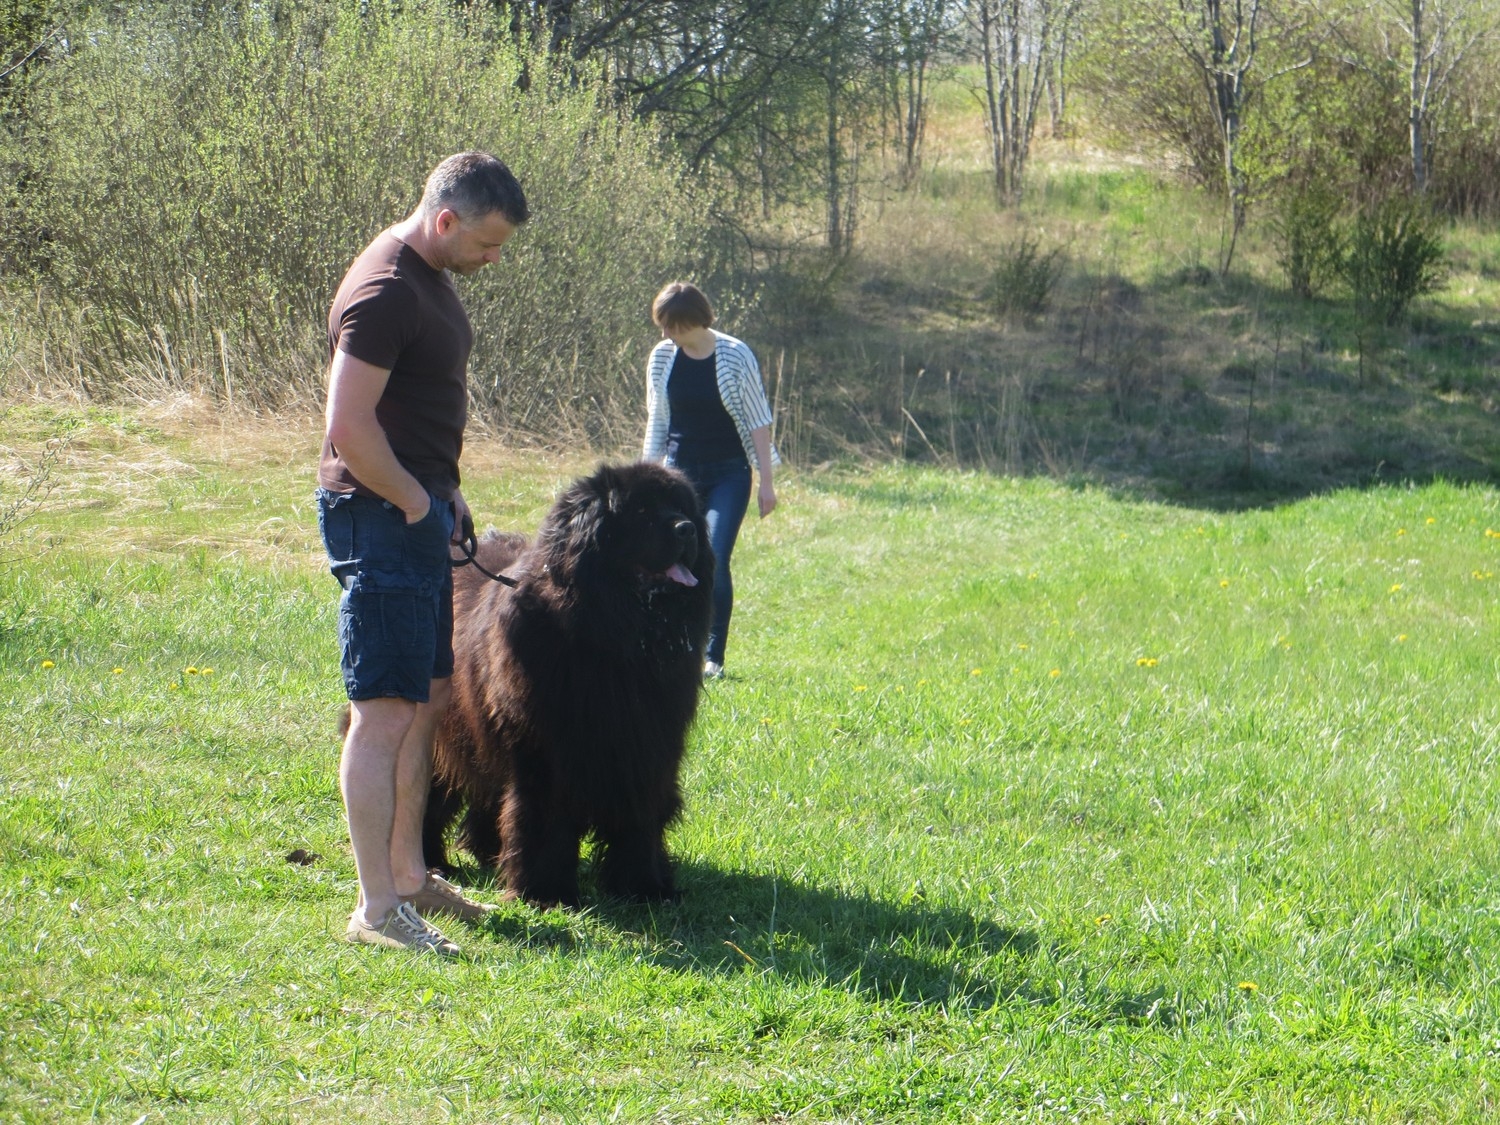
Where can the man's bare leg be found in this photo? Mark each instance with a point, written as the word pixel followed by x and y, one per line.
pixel 378 729
pixel 413 783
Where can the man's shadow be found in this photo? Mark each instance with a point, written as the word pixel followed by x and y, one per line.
pixel 730 922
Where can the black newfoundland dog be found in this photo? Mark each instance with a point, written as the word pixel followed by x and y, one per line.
pixel 573 692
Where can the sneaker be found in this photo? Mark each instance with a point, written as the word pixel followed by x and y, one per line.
pixel 401 928
pixel 438 896
pixel 713 670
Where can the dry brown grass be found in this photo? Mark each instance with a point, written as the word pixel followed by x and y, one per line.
pixel 182 475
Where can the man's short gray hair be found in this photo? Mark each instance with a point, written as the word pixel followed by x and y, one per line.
pixel 474 184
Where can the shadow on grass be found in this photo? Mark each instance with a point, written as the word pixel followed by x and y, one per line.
pixel 1187 389
pixel 736 923
pixel 728 922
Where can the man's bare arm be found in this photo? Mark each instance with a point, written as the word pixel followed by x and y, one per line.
pixel 354 389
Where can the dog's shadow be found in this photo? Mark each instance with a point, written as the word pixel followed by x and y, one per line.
pixel 733 921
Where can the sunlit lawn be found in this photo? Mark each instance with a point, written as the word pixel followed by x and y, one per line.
pixel 1019 803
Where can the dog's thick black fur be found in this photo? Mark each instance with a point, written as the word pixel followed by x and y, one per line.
pixel 573 693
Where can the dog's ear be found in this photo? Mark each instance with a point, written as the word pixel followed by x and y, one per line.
pixel 571 536
pixel 609 481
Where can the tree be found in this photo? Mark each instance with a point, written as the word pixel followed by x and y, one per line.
pixel 1437 37
pixel 911 36
pixel 1223 41
pixel 1222 45
pixel 1019 42
pixel 1069 33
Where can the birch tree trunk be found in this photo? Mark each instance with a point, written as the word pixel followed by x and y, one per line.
pixel 1439 36
pixel 1018 47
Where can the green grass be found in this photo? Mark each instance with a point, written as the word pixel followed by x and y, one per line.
pixel 1020 803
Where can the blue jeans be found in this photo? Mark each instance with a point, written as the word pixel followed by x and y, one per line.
pixel 396 613
pixel 723 488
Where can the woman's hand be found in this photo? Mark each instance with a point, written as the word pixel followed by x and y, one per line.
pixel 767 497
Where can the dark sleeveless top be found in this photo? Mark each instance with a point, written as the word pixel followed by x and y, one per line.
pixel 701 430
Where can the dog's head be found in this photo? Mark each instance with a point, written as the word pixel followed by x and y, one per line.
pixel 639 524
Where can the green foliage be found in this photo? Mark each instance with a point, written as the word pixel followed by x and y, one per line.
pixel 1395 254
pixel 1466 176
pixel 1310 244
pixel 24 25
pixel 1023 278
pixel 1143 91
pixel 205 186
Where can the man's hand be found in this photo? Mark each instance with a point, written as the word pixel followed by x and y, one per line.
pixel 417 514
pixel 463 519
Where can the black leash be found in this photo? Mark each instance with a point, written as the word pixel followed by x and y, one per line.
pixel 469 545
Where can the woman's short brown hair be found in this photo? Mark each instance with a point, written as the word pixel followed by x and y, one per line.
pixel 682 305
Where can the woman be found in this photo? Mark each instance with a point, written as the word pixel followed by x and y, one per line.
pixel 707 415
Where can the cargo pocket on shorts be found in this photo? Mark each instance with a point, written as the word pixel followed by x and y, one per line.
pixel 388 633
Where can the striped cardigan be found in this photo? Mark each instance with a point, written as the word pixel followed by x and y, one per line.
pixel 739 387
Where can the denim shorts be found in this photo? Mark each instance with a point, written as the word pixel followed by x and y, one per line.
pixel 396 613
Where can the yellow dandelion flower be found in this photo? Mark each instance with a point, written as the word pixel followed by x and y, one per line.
pixel 1146 662
pixel 976 671
pixel 1223 583
pixel 1431 520
pixel 860 687
pixel 1032 576
pixel 48 664
pixel 964 722
pixel 1401 531
pixel 190 670
pixel 1248 986
pixel 1055 673
pixel 205 671
pixel 173 686
pixel 1395 586
pixel 921 682
pixel 1481 575
pixel 767 722
pixel 900 690
pixel 1401 638
pixel 1103 918
pixel 117 671
pixel 1023 648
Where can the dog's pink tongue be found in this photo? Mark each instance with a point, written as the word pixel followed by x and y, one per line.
pixel 681 574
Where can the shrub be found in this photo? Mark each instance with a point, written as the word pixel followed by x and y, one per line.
pixel 1395 254
pixel 206 185
pixel 1310 244
pixel 25 488
pixel 1023 279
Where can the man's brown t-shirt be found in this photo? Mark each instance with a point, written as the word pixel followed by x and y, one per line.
pixel 396 312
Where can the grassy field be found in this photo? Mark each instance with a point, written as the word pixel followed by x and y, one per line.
pixel 1145 372
pixel 1021 802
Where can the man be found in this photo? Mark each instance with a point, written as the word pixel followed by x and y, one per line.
pixel 389 504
